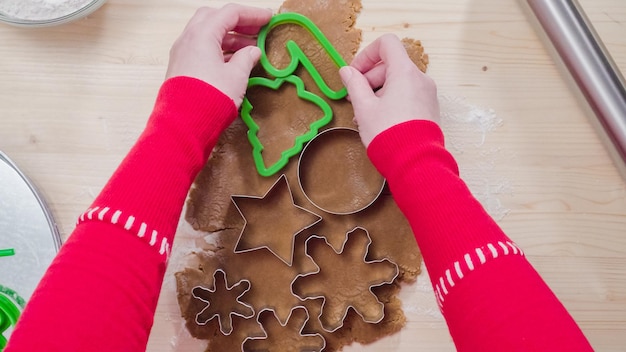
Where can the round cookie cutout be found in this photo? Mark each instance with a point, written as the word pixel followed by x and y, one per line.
pixel 335 173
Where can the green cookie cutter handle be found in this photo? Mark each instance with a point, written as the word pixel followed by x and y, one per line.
pixel 7 252
pixel 300 141
pixel 10 305
pixel 297 55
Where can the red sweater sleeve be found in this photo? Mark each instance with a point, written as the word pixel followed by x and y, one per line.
pixel 490 295
pixel 101 291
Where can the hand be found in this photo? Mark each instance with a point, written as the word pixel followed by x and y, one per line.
pixel 218 47
pixel 405 93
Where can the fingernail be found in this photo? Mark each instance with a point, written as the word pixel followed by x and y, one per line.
pixel 345 73
pixel 255 53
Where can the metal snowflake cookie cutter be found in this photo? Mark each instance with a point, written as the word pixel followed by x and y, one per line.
pixel 298 57
pixel 349 183
pixel 224 313
pixel 270 219
pixel 288 335
pixel 344 277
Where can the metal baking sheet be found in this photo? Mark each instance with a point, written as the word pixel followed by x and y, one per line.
pixel 29 238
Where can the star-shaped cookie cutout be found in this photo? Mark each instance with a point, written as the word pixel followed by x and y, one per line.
pixel 285 337
pixel 272 221
pixel 351 276
pixel 222 302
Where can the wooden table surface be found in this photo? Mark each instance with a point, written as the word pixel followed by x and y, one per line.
pixel 73 99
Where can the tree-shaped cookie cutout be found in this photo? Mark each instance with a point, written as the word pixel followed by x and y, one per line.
pixel 272 221
pixel 299 142
pixel 351 277
pixel 222 302
pixel 284 337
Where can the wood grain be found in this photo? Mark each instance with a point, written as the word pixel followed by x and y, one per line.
pixel 74 98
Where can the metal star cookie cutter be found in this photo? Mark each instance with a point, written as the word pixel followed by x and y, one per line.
pixel 275 219
pixel 238 307
pixel 287 75
pixel 285 325
pixel 346 275
pixel 369 186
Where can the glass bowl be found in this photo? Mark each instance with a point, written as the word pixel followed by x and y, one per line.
pixel 40 20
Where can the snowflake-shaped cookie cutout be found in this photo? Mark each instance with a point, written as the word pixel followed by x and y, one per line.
pixel 351 276
pixel 287 337
pixel 228 302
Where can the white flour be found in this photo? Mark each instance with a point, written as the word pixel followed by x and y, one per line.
pixel 38 10
pixel 466 128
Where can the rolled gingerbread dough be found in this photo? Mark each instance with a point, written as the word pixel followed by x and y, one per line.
pixel 230 171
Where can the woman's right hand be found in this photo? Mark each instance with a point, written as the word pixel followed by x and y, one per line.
pixel 218 47
pixel 386 88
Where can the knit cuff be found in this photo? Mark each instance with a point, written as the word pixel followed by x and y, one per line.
pixel 388 154
pixel 206 110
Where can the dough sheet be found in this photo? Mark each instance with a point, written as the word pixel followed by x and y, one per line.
pixel 272 255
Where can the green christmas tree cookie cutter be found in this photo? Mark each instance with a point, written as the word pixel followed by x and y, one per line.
pixel 287 75
pixel 300 141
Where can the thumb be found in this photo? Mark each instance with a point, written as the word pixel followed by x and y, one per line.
pixel 245 58
pixel 359 88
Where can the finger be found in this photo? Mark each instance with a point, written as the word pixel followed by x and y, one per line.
pixel 247 30
pixel 245 59
pixel 377 76
pixel 234 42
pixel 358 87
pixel 386 48
pixel 234 16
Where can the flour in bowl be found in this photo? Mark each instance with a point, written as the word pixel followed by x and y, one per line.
pixel 37 10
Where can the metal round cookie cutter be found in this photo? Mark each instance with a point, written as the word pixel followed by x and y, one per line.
pixel 345 182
